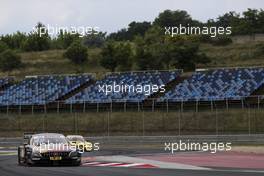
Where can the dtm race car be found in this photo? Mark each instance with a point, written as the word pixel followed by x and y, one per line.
pixel 80 143
pixel 50 148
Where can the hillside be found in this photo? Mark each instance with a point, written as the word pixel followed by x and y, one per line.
pixel 52 61
pixel 235 55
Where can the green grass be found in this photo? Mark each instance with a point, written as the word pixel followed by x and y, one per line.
pixel 234 55
pixel 53 62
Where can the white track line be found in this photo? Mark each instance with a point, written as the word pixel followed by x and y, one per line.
pixel 91 163
pixel 158 164
pixel 108 164
pixel 130 165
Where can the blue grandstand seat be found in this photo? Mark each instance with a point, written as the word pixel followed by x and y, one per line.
pixel 219 84
pixel 93 95
pixel 5 81
pixel 41 89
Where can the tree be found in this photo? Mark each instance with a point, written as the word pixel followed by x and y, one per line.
pixel 65 39
pixel 108 60
pixel 14 41
pixel 251 21
pixel 261 21
pixel 117 55
pixel 173 18
pixel 3 46
pixel 120 35
pixel 148 50
pixel 94 39
pixel 145 60
pixel 134 29
pixel 77 53
pixel 228 19
pixel 185 54
pixel 123 56
pixel 37 40
pixel 137 29
pixel 9 61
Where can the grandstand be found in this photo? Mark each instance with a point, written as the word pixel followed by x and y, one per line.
pixel 219 84
pixel 234 84
pixel 4 82
pixel 41 90
pixel 93 95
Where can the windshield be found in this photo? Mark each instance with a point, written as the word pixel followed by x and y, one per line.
pixel 76 138
pixel 48 140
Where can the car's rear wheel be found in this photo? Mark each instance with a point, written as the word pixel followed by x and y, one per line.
pixel 18 157
pixel 20 160
pixel 76 163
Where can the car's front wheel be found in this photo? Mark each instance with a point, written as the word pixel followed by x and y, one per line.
pixel 20 159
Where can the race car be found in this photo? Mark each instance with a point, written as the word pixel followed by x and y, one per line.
pixel 49 148
pixel 79 142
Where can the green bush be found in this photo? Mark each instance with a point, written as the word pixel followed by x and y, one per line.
pixel 221 41
pixel 3 46
pixel 38 40
pixel 77 53
pixel 9 61
pixel 205 38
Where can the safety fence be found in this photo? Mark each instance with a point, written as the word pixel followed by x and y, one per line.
pixel 151 117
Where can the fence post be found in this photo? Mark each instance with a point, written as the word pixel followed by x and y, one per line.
pixel 75 123
pixel 97 107
pixel 216 122
pixel 143 123
pixel 43 123
pixel 181 105
pixel 258 101
pixel 32 109
pixel 45 108
pixel 212 105
pixel 44 117
pixel 111 106
pixel 179 123
pixel 196 116
pixel 19 108
pixel 242 103
pixel 167 105
pixel 227 105
pixel 125 106
pixel 108 124
pixel 152 105
pixel 249 122
pixel 58 107
pixel 196 106
pixel 138 106
pixel 84 110
pixel 71 107
pixel 7 110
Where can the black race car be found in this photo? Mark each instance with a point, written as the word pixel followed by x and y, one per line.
pixel 49 148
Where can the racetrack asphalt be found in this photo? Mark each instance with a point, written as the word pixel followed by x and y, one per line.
pixel 9 166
